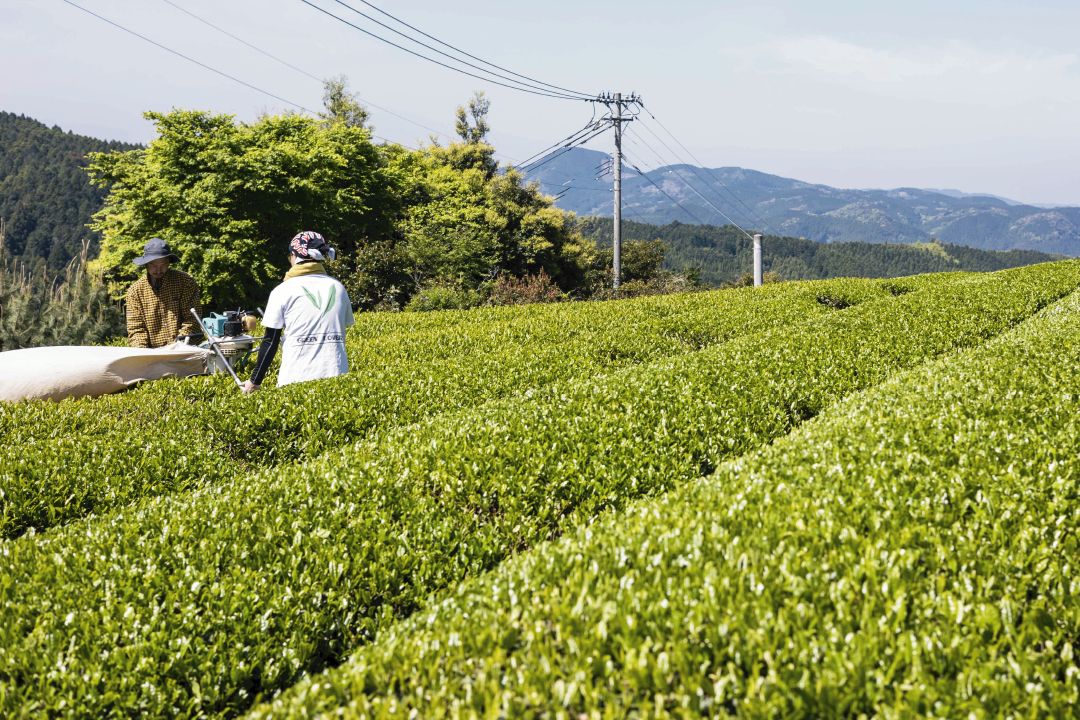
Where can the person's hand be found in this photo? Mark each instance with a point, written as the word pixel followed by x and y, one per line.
pixel 249 387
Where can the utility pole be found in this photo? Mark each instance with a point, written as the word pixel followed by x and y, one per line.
pixel 757 260
pixel 617 121
pixel 616 262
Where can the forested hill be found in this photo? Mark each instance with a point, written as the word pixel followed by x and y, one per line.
pixel 46 197
pixel 800 209
pixel 725 253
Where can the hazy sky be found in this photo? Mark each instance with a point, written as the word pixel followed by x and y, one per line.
pixel 980 96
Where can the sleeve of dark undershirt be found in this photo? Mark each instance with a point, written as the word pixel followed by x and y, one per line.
pixel 267 351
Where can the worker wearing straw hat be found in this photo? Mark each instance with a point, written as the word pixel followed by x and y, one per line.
pixel 159 303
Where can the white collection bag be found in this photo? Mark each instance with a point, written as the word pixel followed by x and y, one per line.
pixel 59 372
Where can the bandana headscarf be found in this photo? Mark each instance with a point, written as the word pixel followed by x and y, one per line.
pixel 310 245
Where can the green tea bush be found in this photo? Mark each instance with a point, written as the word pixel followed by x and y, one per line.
pixel 200 603
pixel 179 434
pixel 912 552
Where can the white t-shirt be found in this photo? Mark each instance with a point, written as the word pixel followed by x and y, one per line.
pixel 314 310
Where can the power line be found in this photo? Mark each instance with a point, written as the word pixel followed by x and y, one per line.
pixel 694 190
pixel 635 212
pixel 203 65
pixel 191 60
pixel 257 89
pixel 302 72
pixel 584 96
pixel 703 180
pixel 432 60
pixel 760 219
pixel 564 143
pixel 561 152
pixel 574 187
pixel 665 193
pixel 468 55
pixel 662 162
pixel 565 149
pixel 225 32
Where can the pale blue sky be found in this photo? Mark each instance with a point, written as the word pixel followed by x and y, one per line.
pixel 981 96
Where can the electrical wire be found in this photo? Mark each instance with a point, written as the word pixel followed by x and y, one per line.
pixel 432 60
pixel 239 40
pixel 760 219
pixel 635 212
pixel 471 56
pixel 543 153
pixel 677 174
pixel 272 57
pixel 207 67
pixel 693 169
pixel 565 142
pixel 676 202
pixel 191 60
pixel 302 72
pixel 574 187
pixel 584 96
pixel 567 148
pixel 703 198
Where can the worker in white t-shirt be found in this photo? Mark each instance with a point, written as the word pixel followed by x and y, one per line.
pixel 315 310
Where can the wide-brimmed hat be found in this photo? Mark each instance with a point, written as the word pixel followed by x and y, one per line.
pixel 156 249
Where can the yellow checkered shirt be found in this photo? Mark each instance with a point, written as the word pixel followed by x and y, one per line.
pixel 157 317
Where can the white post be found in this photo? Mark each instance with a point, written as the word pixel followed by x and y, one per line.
pixel 757 261
pixel 616 253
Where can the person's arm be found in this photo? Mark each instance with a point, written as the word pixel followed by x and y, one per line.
pixel 348 320
pixel 138 335
pixel 267 351
pixel 189 298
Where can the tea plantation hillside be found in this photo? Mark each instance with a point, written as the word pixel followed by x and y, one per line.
pixel 909 552
pixel 812 498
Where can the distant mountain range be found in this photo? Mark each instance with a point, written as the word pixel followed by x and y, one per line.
pixel 1007 201
pixel 782 206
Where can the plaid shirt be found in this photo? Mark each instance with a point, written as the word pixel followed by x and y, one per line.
pixel 156 317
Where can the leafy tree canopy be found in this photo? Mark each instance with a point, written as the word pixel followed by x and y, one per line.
pixel 228 196
pixel 341 105
pixel 476 131
pixel 464 220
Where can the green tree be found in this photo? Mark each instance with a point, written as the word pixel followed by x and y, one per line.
pixel 471 223
pixel 464 222
pixel 641 259
pixel 477 131
pixel 341 105
pixel 228 197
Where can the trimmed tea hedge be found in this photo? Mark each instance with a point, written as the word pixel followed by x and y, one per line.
pixel 196 604
pixel 63 461
pixel 912 552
